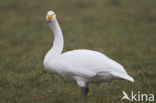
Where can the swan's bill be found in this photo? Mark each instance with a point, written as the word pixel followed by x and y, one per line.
pixel 50 18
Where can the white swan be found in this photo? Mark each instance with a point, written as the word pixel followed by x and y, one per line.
pixel 82 66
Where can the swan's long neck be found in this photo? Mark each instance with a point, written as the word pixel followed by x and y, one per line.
pixel 58 38
pixel 57 47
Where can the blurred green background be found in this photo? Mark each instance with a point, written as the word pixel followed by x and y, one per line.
pixel 124 30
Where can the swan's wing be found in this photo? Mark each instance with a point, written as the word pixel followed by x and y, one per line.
pixel 83 73
pixel 124 76
pixel 72 67
pixel 87 63
pixel 92 60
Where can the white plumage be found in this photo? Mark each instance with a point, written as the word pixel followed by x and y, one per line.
pixel 82 66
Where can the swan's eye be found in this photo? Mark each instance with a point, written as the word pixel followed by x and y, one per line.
pixel 50 18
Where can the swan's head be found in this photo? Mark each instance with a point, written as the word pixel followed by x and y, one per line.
pixel 50 16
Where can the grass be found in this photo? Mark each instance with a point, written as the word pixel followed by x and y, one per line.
pixel 124 30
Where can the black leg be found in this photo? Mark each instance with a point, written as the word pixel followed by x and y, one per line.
pixel 84 92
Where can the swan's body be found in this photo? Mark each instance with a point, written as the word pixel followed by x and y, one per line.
pixel 82 66
pixel 91 66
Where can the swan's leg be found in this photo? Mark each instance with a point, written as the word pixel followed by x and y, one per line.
pixel 84 92
pixel 84 86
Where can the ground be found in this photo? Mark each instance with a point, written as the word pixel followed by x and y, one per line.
pixel 124 30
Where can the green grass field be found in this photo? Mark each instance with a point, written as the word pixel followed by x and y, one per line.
pixel 124 30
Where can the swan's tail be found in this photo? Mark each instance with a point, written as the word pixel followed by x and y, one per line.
pixel 124 76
